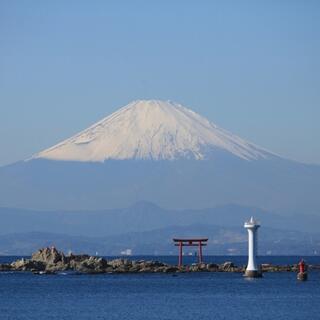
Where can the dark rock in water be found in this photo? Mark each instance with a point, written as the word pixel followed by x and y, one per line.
pixel 212 267
pixel 170 269
pixel 5 267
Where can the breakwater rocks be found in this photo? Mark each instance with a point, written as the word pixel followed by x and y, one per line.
pixel 50 260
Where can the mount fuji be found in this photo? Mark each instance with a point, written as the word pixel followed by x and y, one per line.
pixel 152 130
pixel 164 153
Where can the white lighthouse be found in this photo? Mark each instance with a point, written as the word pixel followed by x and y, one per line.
pixel 252 270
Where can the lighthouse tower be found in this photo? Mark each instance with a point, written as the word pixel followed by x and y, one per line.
pixel 252 270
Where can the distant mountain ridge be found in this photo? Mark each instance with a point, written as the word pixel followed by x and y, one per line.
pixel 143 217
pixel 145 228
pixel 222 241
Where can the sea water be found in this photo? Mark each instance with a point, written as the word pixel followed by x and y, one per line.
pixel 159 296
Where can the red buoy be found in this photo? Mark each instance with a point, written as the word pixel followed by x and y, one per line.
pixel 302 275
pixel 302 266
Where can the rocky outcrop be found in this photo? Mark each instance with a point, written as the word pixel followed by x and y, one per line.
pixel 48 256
pixel 28 265
pixel 50 260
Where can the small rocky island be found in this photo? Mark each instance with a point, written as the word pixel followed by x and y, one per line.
pixel 50 261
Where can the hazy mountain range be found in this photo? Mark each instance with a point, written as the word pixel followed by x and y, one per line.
pixel 148 229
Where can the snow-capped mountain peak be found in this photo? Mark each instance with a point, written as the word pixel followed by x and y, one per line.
pixel 152 129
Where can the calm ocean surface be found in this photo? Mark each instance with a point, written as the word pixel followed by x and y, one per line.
pixel 162 296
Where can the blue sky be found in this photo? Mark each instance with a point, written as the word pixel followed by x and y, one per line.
pixel 252 67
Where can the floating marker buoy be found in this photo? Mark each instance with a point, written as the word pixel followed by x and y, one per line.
pixel 302 275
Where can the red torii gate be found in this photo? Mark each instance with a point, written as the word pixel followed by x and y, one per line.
pixel 190 243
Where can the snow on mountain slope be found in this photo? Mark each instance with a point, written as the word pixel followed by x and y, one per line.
pixel 152 129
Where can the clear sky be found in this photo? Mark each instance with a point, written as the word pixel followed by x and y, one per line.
pixel 252 67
